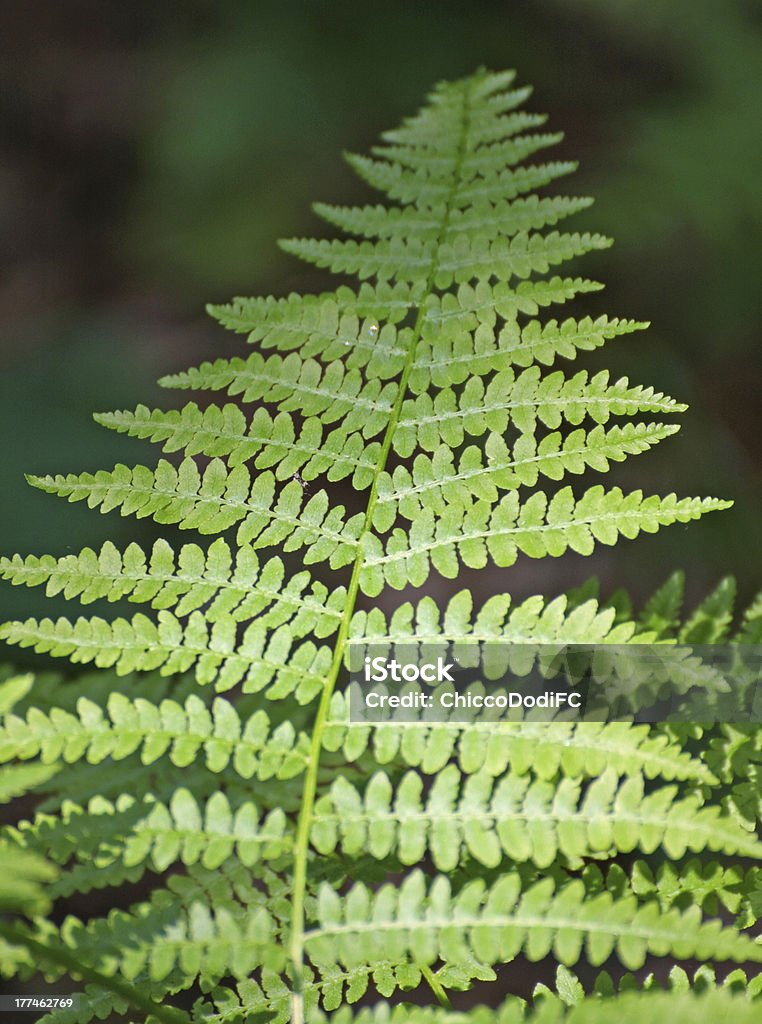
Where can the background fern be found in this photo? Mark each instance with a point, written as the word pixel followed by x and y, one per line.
pixel 248 818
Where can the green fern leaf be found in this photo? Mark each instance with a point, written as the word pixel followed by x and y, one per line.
pixel 25 878
pixel 516 818
pixel 496 924
pixel 436 389
pixel 182 731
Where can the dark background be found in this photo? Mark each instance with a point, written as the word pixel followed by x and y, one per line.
pixel 151 154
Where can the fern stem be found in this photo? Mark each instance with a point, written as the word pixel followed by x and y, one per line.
pixel 304 824
pixel 63 958
pixel 436 986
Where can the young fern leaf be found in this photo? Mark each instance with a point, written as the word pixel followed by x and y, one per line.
pixel 182 731
pixel 156 835
pixel 228 584
pixel 438 393
pixel 25 880
pixel 630 1008
pixel 494 925
pixel 517 818
pixel 470 527
pixel 544 749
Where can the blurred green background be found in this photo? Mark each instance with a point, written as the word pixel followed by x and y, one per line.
pixel 151 154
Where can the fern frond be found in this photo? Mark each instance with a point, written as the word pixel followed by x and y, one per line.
pixel 24 880
pixel 182 731
pixel 447 320
pixel 495 925
pixel 433 126
pixel 710 623
pixel 544 343
pixel 301 321
pixel 331 392
pixel 436 481
pixel 215 501
pixel 466 259
pixel 661 613
pixel 435 163
pixel 535 620
pixel 224 583
pixel 629 1008
pixel 428 388
pixel 428 192
pixel 13 690
pixel 18 780
pixel 139 644
pixel 266 441
pixel 547 749
pixel 485 302
pixel 520 402
pixel 327 986
pixel 517 818
pixel 149 833
pixel 450 354
pixel 504 218
pixel 711 886
pixel 652 1008
pixel 165 937
pixel 473 534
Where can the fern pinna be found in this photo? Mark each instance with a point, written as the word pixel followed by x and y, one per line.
pixel 290 861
